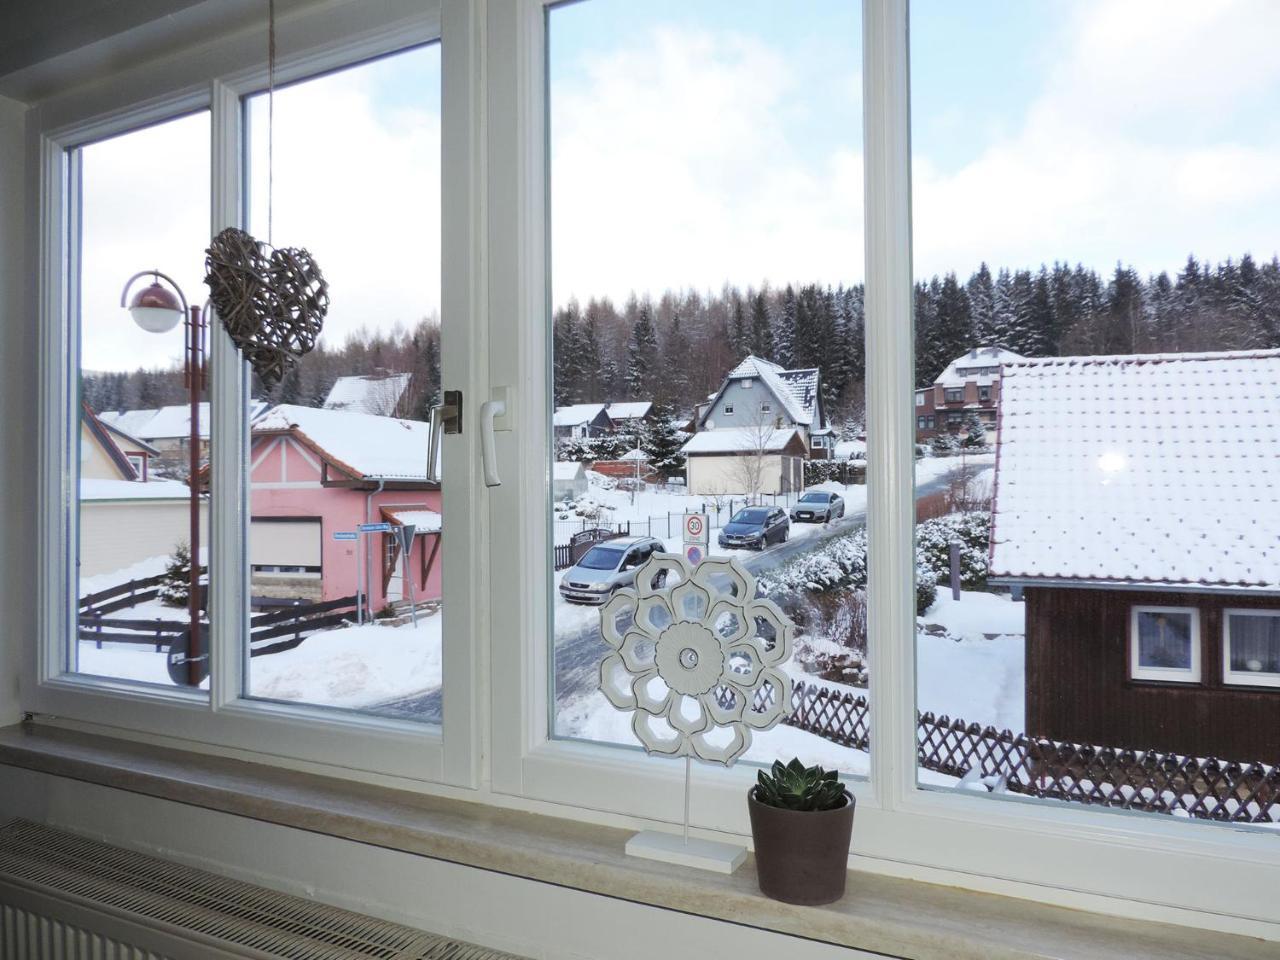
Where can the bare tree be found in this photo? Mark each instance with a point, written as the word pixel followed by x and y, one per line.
pixel 751 458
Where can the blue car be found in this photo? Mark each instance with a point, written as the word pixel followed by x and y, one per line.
pixel 754 528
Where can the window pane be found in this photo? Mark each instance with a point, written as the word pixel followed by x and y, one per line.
pixel 143 203
pixel 1091 182
pixel 347 612
pixel 1255 645
pixel 706 228
pixel 1164 640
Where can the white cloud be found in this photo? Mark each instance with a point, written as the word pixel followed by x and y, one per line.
pixel 1139 146
pixel 674 166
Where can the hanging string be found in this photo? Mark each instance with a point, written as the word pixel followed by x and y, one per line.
pixel 271 117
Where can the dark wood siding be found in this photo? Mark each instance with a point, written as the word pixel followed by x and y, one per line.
pixel 1078 686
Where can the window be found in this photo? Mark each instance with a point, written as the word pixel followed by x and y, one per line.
pixel 697 108
pixel 984 393
pixel 919 399
pixel 953 394
pixel 920 422
pixel 1165 644
pixel 1251 647
pixel 345 435
pixel 134 525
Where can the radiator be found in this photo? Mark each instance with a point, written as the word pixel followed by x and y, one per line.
pixel 64 897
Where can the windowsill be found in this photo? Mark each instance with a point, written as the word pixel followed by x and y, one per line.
pixel 899 918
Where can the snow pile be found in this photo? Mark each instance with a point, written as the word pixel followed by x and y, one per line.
pixel 353 666
pixel 94 489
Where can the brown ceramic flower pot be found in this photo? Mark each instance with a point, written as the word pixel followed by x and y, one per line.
pixel 801 856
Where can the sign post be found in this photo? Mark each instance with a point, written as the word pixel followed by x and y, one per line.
pixel 348 535
pixel 696 532
pixel 365 562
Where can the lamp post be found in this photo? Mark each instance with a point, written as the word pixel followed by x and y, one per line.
pixel 157 309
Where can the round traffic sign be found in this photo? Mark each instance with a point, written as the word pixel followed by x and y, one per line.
pixel 694 554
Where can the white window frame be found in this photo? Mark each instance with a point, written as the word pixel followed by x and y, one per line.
pixel 1165 674
pixel 319 38
pixel 727 409
pixel 1131 864
pixel 495 740
pixel 1244 678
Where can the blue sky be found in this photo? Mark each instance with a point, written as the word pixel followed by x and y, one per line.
pixel 698 142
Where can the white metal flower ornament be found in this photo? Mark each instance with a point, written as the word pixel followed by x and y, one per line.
pixel 697 658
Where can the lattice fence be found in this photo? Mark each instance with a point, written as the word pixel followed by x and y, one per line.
pixel 1204 788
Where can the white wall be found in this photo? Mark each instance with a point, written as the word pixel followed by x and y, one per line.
pixel 17 410
pixel 527 918
pixel 115 534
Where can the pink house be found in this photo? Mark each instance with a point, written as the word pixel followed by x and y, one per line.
pixel 316 473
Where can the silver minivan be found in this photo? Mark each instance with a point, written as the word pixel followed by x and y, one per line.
pixel 606 567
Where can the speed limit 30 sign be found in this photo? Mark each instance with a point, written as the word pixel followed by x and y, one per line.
pixel 695 528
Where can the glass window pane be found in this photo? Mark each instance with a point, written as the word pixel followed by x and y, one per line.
pixel 1164 640
pixel 347 606
pixel 143 204
pixel 1092 183
pixel 706 261
pixel 1254 644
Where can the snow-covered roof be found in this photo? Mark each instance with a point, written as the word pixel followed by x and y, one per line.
pixel 166 423
pixel 796 390
pixel 577 414
pixel 1160 470
pixel 739 440
pixel 126 439
pixel 850 450
pixel 631 410
pixel 94 489
pixel 376 394
pixel 567 470
pixel 633 455
pixel 422 519
pixel 973 367
pixel 367 446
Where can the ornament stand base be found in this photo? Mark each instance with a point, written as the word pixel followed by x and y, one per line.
pixel 685 850
pixel 673 848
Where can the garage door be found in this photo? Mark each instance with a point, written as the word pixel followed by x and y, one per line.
pixel 281 542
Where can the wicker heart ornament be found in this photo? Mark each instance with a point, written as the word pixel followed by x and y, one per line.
pixel 272 302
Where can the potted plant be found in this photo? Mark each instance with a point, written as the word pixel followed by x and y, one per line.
pixel 801 821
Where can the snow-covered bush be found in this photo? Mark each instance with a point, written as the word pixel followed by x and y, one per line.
pixel 972 531
pixel 609 446
pixel 975 435
pixel 840 562
pixel 821 471
pixel 944 444
pixel 175 589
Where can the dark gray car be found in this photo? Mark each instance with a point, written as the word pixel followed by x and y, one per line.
pixel 605 568
pixel 818 506
pixel 754 528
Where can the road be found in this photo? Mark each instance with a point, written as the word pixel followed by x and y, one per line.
pixel 579 649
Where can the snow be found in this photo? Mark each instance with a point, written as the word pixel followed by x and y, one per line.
pixel 373 447
pixel 633 410
pixel 957 372
pixel 425 521
pixel 95 489
pixel 374 395
pixel 1156 469
pixel 566 470
pixel 795 389
pixel 634 456
pixel 576 414
pixel 739 440
pixel 149 567
pixel 851 450
pixel 354 667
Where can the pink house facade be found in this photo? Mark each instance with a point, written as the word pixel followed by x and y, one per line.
pixel 316 473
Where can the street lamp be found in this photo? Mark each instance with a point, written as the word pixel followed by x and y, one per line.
pixel 157 309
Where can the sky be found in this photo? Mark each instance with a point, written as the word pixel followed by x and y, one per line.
pixel 699 142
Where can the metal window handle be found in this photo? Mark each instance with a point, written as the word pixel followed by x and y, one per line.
pixel 445 418
pixel 489 455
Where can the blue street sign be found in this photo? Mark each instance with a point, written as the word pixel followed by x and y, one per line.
pixel 375 528
pixel 345 535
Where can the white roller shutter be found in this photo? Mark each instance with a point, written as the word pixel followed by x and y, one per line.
pixel 276 542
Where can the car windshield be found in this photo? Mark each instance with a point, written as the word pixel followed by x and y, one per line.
pixel 814 498
pixel 750 515
pixel 602 558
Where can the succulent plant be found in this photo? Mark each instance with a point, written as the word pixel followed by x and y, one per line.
pixel 793 786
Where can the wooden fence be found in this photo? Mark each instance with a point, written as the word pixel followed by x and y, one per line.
pixel 1151 781
pixel 567 554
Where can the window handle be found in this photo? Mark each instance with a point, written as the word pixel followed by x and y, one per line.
pixel 489 455
pixel 445 418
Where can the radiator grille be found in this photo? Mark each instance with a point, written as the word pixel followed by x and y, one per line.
pixel 205 906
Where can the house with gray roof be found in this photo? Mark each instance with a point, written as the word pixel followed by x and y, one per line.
pixel 758 392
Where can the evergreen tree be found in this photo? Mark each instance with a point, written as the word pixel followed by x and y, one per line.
pixel 981 289
pixel 739 332
pixel 975 435
pixel 175 589
pixel 673 384
pixel 785 334
pixel 642 355
pixel 761 328
pixel 662 443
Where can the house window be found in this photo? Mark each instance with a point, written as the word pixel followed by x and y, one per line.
pixel 766 406
pixel 819 442
pixel 955 417
pixel 746 383
pixel 919 399
pixel 920 422
pixel 984 393
pixel 728 409
pixel 953 394
pixel 1251 647
pixel 1164 644
pixel 139 464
